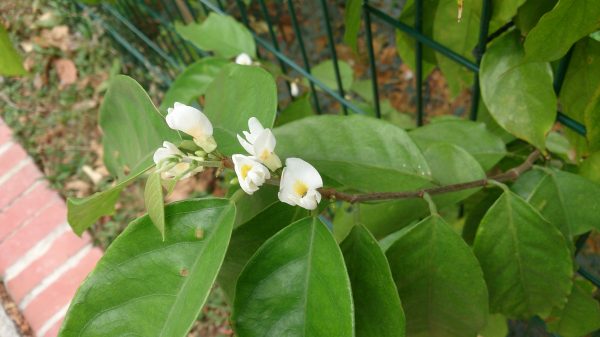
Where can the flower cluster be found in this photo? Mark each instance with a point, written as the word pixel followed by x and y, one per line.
pixel 299 183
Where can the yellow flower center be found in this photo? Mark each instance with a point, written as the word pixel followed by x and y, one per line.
pixel 264 155
pixel 245 170
pixel 300 188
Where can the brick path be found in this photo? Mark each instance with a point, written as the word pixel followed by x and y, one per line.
pixel 41 261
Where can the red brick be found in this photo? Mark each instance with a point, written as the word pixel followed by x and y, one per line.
pixel 61 250
pixel 11 157
pixel 5 133
pixel 31 233
pixel 53 332
pixel 60 293
pixel 23 208
pixel 18 184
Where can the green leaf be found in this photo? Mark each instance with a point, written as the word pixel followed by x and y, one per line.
pixel 496 326
pixel 487 148
pixel 406 44
pixel 519 96
pixel 238 93
pixel 503 11
pixel 559 197
pixel 297 109
pixel 560 28
pixel 358 152
pixel 580 316
pixel 377 307
pixel 10 62
pixel 83 212
pixel 485 200
pixel 142 278
pixel 451 164
pixel 133 128
pixel 530 13
pixel 193 82
pixel 525 259
pixel 352 11
pixel 295 285
pixel 249 236
pixel 592 121
pixel 221 34
pixel 590 168
pixel 460 36
pixel 153 198
pixel 439 281
pixel 559 144
pixel 325 72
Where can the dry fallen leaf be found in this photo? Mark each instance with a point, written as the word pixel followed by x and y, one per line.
pixel 94 175
pixel 67 72
pixel 80 187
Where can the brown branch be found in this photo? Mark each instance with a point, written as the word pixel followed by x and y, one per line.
pixel 331 193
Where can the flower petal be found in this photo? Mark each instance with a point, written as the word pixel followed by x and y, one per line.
pixel 304 172
pixel 247 146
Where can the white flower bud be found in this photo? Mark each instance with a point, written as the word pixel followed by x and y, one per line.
pixel 193 122
pixel 251 174
pixel 171 161
pixel 299 184
pixel 243 59
pixel 294 89
pixel 260 143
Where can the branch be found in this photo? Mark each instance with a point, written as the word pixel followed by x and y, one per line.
pixel 331 193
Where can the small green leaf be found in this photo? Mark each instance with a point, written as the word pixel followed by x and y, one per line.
pixel 519 96
pixel 325 72
pixel 221 34
pixel 162 284
pixel 439 281
pixel 297 109
pixel 84 212
pixel 530 13
pixel 153 197
pixel 560 28
pixel 192 82
pixel 580 316
pixel 358 152
pixel 295 285
pixel 377 307
pixel 10 62
pixel 525 259
pixel 352 11
pixel 133 128
pixel 238 93
pixel 487 148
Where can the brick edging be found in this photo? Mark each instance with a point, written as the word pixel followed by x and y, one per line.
pixel 42 262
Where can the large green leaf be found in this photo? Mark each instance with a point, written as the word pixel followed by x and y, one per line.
pixel 503 11
pixel 530 13
pixel 590 168
pixel 352 11
pixel 325 72
pixel 377 308
pixel 144 286
pixel 475 138
pixel 132 126
pixel 525 259
pixel 10 62
pixel 592 121
pixel 439 281
pixel 238 93
pixel 580 316
pixel 153 198
pixel 297 109
pixel 358 152
pixel 559 197
pixel 560 28
pixel 249 236
pixel 83 212
pixel 496 326
pixel 460 36
pixel 221 34
pixel 406 43
pixel 192 82
pixel 519 96
pixel 295 285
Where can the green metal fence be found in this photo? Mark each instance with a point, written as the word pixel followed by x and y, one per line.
pixel 148 26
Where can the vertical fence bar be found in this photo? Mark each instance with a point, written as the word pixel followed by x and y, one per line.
pixel 486 14
pixel 245 20
pixel 265 11
pixel 419 61
pixel 305 60
pixel 336 66
pixel 561 71
pixel 220 4
pixel 188 56
pixel 191 9
pixel 372 65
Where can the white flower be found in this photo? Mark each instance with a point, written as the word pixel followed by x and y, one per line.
pixel 193 122
pixel 299 184
pixel 260 143
pixel 294 89
pixel 251 174
pixel 243 59
pixel 171 161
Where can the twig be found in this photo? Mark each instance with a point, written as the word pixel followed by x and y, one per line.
pixel 334 194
